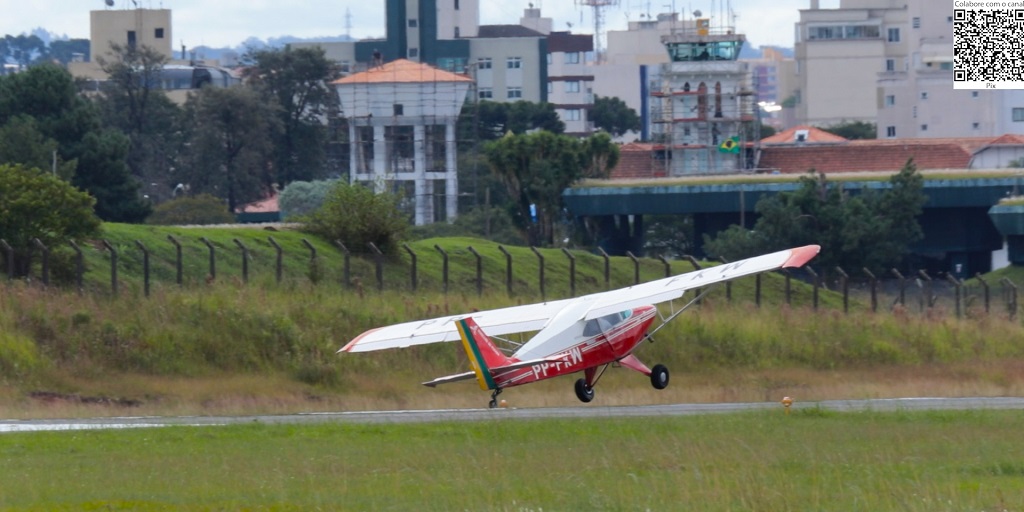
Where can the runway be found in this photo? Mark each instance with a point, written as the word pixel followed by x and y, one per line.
pixel 424 416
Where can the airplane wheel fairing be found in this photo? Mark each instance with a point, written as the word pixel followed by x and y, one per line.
pixel 659 376
pixel 583 392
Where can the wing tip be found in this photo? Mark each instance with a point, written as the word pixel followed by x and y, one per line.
pixel 801 255
pixel 350 346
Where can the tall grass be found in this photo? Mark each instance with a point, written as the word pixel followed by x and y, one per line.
pixel 62 341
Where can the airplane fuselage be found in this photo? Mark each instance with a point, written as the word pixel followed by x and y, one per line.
pixel 606 347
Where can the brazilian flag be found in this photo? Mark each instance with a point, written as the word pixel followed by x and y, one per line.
pixel 730 145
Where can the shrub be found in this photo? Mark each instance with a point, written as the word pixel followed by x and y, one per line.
pixel 301 198
pixel 200 209
pixel 357 216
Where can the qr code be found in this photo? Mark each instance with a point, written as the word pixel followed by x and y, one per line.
pixel 987 45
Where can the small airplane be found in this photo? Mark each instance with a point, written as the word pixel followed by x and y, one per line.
pixel 584 334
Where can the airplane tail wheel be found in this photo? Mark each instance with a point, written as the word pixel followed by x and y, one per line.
pixel 584 392
pixel 659 376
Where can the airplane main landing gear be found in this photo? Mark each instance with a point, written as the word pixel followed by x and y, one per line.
pixel 584 392
pixel 494 399
pixel 659 376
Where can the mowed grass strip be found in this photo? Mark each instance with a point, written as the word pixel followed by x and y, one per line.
pixel 809 460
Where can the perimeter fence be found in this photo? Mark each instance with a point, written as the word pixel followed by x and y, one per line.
pixel 921 293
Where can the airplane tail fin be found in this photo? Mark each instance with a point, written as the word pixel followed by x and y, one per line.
pixel 483 354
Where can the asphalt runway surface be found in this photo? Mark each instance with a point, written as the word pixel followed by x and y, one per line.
pixel 589 411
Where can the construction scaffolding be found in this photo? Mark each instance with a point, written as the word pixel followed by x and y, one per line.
pixel 702 106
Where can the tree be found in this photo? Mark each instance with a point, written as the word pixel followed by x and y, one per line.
pixel 612 115
pixel 601 155
pixel 296 81
pixel 36 204
pixel 490 120
pixel 357 216
pixel 64 51
pixel 133 103
pixel 25 49
pixel 46 93
pixel 230 144
pixel 201 209
pixel 869 229
pixel 535 168
pixel 853 130
pixel 21 142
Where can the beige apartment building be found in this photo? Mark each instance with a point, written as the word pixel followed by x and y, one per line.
pixel 840 54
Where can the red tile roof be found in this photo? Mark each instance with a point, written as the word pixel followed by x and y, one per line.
pixel 872 155
pixel 814 136
pixel 402 71
pixel 636 160
pixel 268 205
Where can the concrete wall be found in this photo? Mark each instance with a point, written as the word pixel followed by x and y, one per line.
pixel 114 26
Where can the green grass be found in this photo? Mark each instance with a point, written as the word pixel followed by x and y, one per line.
pixel 810 460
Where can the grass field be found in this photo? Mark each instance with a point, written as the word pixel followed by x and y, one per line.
pixel 810 460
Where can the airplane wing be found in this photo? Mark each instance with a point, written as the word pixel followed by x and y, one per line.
pixel 535 317
pixel 670 288
pixel 495 322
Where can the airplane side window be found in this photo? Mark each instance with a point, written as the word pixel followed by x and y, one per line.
pixel 591 328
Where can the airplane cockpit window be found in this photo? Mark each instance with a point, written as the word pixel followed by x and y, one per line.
pixel 604 323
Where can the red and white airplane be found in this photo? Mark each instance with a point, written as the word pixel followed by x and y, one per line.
pixel 583 334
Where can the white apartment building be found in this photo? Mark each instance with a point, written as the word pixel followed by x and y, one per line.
pixel 891 62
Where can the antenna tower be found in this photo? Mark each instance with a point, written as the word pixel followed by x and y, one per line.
pixel 348 23
pixel 598 8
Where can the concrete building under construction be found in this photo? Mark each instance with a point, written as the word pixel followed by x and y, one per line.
pixel 701 104
pixel 401 121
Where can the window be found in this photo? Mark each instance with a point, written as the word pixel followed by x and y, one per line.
pixel 975 125
pixel 974 94
pixel 1018 115
pixel 399 109
pixel 890 131
pixel 573 114
pixel 890 65
pixel 413 23
pixel 924 95
pixel 486 93
pixel 572 86
pixel 916 22
pixel 894 35
pixel 158 33
pixel 131 38
pixel 456 32
pixel 414 52
pixel 483 63
pixel 949 19
pixel 551 87
pixel 514 62
pixel 549 59
pixel 345 66
pixel 924 127
pixel 515 93
pixel 572 57
pixel 890 100
pixel 456 5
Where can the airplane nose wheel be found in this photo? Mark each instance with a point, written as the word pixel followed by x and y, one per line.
pixel 659 376
pixel 584 392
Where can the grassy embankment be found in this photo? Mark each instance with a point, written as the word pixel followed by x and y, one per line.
pixel 809 460
pixel 228 347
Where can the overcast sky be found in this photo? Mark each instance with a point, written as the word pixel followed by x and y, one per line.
pixel 220 23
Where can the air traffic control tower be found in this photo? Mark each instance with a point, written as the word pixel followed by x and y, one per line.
pixel 702 105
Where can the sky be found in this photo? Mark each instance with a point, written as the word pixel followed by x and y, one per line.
pixel 221 23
